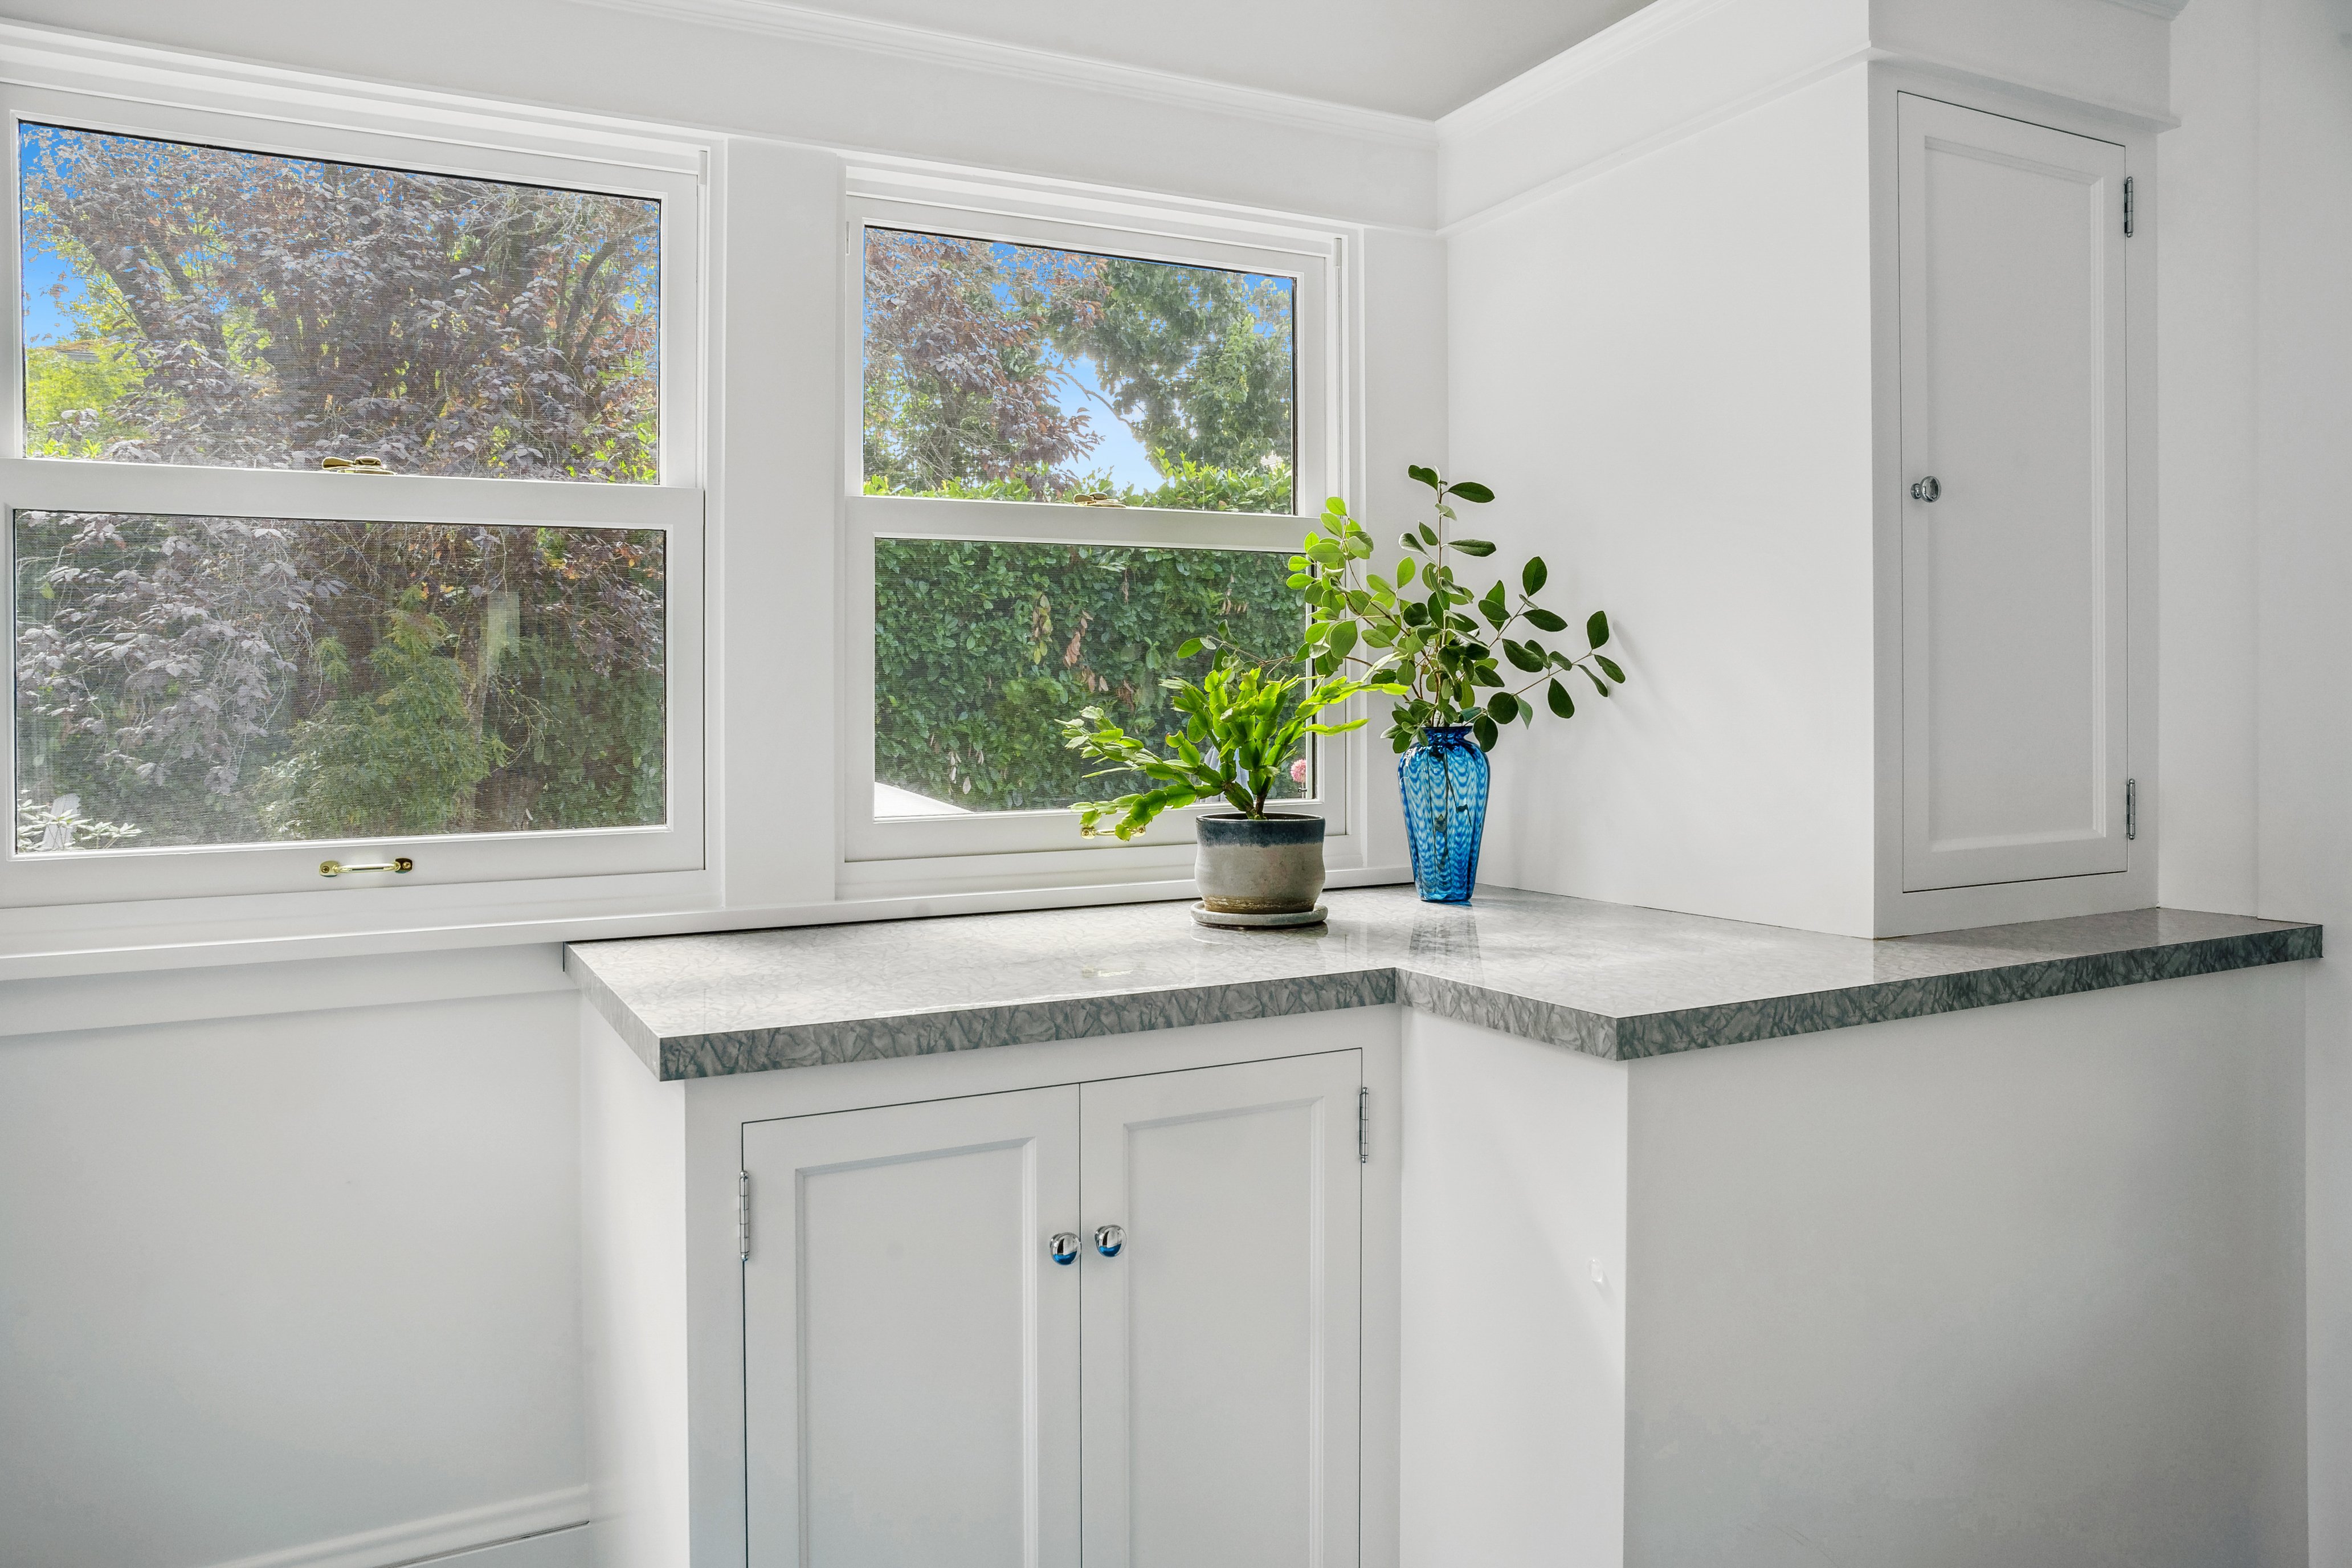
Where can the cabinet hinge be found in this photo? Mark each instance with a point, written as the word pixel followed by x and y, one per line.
pixel 2131 808
pixel 1363 1127
pixel 743 1215
pixel 2128 206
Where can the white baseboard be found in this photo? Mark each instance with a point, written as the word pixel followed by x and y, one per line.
pixel 498 1526
pixel 568 1548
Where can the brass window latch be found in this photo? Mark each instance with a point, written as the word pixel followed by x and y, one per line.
pixel 354 466
pixel 337 868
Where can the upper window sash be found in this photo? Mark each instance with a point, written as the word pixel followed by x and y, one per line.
pixel 1308 264
pixel 680 352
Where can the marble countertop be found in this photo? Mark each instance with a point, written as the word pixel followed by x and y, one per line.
pixel 1608 979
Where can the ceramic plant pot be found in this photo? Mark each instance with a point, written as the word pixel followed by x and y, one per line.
pixel 1260 866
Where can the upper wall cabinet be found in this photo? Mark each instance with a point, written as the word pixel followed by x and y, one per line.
pixel 2014 570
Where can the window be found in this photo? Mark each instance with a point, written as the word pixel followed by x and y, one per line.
pixel 353 509
pixel 1079 447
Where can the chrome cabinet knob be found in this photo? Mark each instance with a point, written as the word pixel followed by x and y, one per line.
pixel 1065 1247
pixel 1927 488
pixel 1109 1239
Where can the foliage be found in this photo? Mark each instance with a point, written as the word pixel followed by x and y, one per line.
pixel 73 393
pixel 981 647
pixel 59 824
pixel 404 758
pixel 975 353
pixel 1244 725
pixel 184 673
pixel 218 679
pixel 1448 659
pixel 958 336
pixel 1195 360
pixel 282 310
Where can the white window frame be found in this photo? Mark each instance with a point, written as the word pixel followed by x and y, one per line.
pixel 465 147
pixel 1040 848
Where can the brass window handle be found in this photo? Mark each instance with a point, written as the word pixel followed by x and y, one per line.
pixel 337 868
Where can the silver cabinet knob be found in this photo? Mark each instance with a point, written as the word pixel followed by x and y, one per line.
pixel 1065 1247
pixel 1927 488
pixel 1109 1239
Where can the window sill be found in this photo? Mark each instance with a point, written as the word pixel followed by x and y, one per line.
pixel 33 947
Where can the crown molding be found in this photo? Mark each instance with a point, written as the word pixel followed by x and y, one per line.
pixel 898 40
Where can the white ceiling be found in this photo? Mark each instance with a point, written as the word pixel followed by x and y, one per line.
pixel 1421 57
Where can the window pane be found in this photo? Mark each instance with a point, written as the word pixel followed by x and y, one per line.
pixel 1008 372
pixel 981 649
pixel 186 680
pixel 189 304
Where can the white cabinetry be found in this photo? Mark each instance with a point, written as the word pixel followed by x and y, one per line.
pixel 925 1384
pixel 2014 567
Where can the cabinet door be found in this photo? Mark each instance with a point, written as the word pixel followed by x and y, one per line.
pixel 911 1349
pixel 2013 398
pixel 1221 1343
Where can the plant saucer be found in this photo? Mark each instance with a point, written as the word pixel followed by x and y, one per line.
pixel 1208 917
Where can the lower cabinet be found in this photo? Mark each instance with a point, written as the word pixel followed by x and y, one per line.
pixel 929 1381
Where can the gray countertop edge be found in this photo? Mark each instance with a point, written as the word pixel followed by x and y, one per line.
pixel 939 1030
pixel 1779 1017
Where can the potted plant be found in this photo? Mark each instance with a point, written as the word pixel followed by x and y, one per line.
pixel 1416 625
pixel 1245 724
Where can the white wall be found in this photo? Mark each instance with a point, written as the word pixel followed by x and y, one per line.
pixel 1514 1354
pixel 2257 566
pixel 633 1232
pixel 2014 1285
pixel 273 1281
pixel 1663 371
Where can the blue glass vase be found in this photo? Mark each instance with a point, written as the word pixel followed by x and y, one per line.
pixel 1443 778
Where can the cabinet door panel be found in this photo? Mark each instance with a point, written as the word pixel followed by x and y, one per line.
pixel 2013 578
pixel 910 1348
pixel 1221 1342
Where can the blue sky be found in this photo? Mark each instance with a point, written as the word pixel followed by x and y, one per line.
pixel 44 322
pixel 1118 450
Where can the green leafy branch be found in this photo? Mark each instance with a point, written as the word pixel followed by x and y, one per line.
pixel 1417 621
pixel 1244 725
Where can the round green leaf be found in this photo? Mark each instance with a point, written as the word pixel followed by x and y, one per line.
pixel 1502 707
pixel 1532 576
pixel 1470 489
pixel 1471 546
pixel 1561 702
pixel 1596 630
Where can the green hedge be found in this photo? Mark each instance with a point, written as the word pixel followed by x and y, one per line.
pixel 982 649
